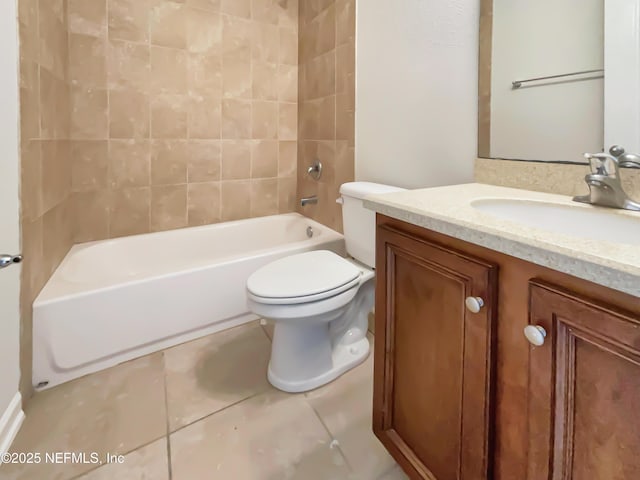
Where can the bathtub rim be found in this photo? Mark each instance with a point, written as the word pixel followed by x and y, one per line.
pixel 44 298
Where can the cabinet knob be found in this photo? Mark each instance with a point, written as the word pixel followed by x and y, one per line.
pixel 474 304
pixel 535 334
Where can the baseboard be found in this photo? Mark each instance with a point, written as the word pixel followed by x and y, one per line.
pixel 10 423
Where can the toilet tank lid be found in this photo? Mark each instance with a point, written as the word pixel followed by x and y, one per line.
pixel 361 190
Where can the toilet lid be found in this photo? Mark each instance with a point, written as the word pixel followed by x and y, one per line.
pixel 303 275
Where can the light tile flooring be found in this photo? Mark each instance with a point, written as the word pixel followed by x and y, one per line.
pixel 205 411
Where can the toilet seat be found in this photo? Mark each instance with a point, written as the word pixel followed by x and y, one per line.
pixel 303 278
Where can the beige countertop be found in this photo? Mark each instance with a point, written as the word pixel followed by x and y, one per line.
pixel 448 210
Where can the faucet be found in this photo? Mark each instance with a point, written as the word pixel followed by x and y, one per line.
pixel 629 160
pixel 604 180
pixel 309 201
pixel 315 170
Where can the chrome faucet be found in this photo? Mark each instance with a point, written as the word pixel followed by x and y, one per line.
pixel 629 160
pixel 309 201
pixel 315 170
pixel 604 180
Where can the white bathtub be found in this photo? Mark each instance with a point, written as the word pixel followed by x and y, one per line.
pixel 115 300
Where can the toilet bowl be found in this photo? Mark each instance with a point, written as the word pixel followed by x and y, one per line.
pixel 320 301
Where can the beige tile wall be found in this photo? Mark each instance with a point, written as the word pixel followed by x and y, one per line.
pixel 327 103
pixel 47 209
pixel 147 115
pixel 183 112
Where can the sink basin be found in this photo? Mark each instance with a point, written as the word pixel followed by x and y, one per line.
pixel 593 223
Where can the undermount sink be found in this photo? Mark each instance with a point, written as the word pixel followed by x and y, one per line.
pixel 593 223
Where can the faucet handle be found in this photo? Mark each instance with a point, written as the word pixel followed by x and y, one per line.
pixel 616 151
pixel 315 170
pixel 629 160
pixel 602 164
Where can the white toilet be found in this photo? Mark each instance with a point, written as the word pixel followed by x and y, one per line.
pixel 320 301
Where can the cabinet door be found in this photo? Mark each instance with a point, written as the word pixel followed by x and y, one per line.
pixel 433 359
pixel 584 389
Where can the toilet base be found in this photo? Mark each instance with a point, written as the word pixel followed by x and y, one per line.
pixel 344 358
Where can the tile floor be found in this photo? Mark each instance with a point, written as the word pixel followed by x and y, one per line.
pixel 205 411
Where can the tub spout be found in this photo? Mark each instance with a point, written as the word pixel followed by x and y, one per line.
pixel 313 200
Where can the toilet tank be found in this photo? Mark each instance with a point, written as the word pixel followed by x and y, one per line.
pixel 359 223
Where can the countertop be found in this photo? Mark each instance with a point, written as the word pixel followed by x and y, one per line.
pixel 448 210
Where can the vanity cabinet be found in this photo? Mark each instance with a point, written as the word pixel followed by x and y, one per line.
pixel 433 388
pixel 460 395
pixel 584 389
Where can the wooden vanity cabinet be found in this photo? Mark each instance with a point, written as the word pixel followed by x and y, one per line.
pixel 434 367
pixel 465 396
pixel 584 389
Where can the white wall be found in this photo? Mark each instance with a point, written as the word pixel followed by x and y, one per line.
pixel 622 64
pixel 549 121
pixel 416 91
pixel 10 408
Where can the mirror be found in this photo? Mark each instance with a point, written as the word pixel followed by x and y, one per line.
pixel 542 79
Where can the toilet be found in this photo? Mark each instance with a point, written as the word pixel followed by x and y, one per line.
pixel 320 301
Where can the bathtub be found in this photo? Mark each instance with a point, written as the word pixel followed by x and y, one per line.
pixel 115 300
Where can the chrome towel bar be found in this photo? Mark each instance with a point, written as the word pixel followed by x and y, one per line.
pixel 518 83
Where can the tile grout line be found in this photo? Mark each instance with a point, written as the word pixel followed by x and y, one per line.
pixel 166 409
pixel 387 472
pixel 169 432
pixel 144 445
pixel 98 467
pixel 338 446
pixel 168 428
pixel 107 53
pixel 263 327
pixel 218 411
pixel 149 101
